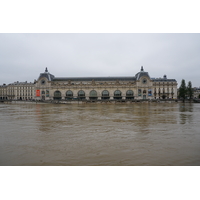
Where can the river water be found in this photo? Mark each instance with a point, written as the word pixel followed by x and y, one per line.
pixel 152 134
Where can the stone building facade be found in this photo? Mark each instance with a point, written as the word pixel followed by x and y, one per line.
pixel 140 86
pixel 49 87
pixel 17 91
pixel 196 91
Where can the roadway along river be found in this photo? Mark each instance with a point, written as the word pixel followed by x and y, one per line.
pixel 100 134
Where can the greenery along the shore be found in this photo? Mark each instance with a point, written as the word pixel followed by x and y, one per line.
pixel 185 92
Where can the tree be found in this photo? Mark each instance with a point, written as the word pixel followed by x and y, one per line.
pixel 182 90
pixel 189 90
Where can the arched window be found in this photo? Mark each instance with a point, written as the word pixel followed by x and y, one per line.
pixel 57 95
pixel 129 94
pixel 81 94
pixel 105 95
pixel 69 94
pixel 144 94
pixel 93 94
pixel 43 92
pixel 117 94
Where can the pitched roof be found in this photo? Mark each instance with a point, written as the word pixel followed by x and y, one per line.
pixel 94 78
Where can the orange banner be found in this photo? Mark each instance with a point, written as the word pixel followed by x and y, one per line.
pixel 37 93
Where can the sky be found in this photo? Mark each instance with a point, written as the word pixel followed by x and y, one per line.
pixel 23 56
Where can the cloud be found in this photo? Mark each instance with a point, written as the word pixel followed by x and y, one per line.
pixel 24 56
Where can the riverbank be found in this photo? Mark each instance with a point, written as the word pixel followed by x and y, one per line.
pixel 98 101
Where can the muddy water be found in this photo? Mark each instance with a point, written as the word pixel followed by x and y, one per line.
pixel 100 134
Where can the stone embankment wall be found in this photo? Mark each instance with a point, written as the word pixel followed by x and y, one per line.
pixel 87 101
pixel 98 101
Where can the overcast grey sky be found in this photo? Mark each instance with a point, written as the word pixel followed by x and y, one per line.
pixel 24 56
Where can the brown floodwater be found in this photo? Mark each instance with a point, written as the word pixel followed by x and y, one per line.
pixel 151 134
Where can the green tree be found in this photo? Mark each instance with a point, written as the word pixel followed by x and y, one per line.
pixel 182 90
pixel 190 90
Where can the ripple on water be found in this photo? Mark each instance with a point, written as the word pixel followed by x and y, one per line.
pixel 100 134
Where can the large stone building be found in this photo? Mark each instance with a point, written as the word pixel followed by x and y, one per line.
pixel 140 86
pixel 17 91
pixel 49 87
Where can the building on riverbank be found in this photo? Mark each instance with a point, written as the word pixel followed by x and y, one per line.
pixel 18 91
pixel 49 87
pixel 196 91
pixel 140 86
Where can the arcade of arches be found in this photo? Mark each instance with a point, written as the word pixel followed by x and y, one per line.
pixel 49 87
pixel 105 95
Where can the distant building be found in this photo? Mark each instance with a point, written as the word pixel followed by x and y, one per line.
pixel 196 91
pixel 49 87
